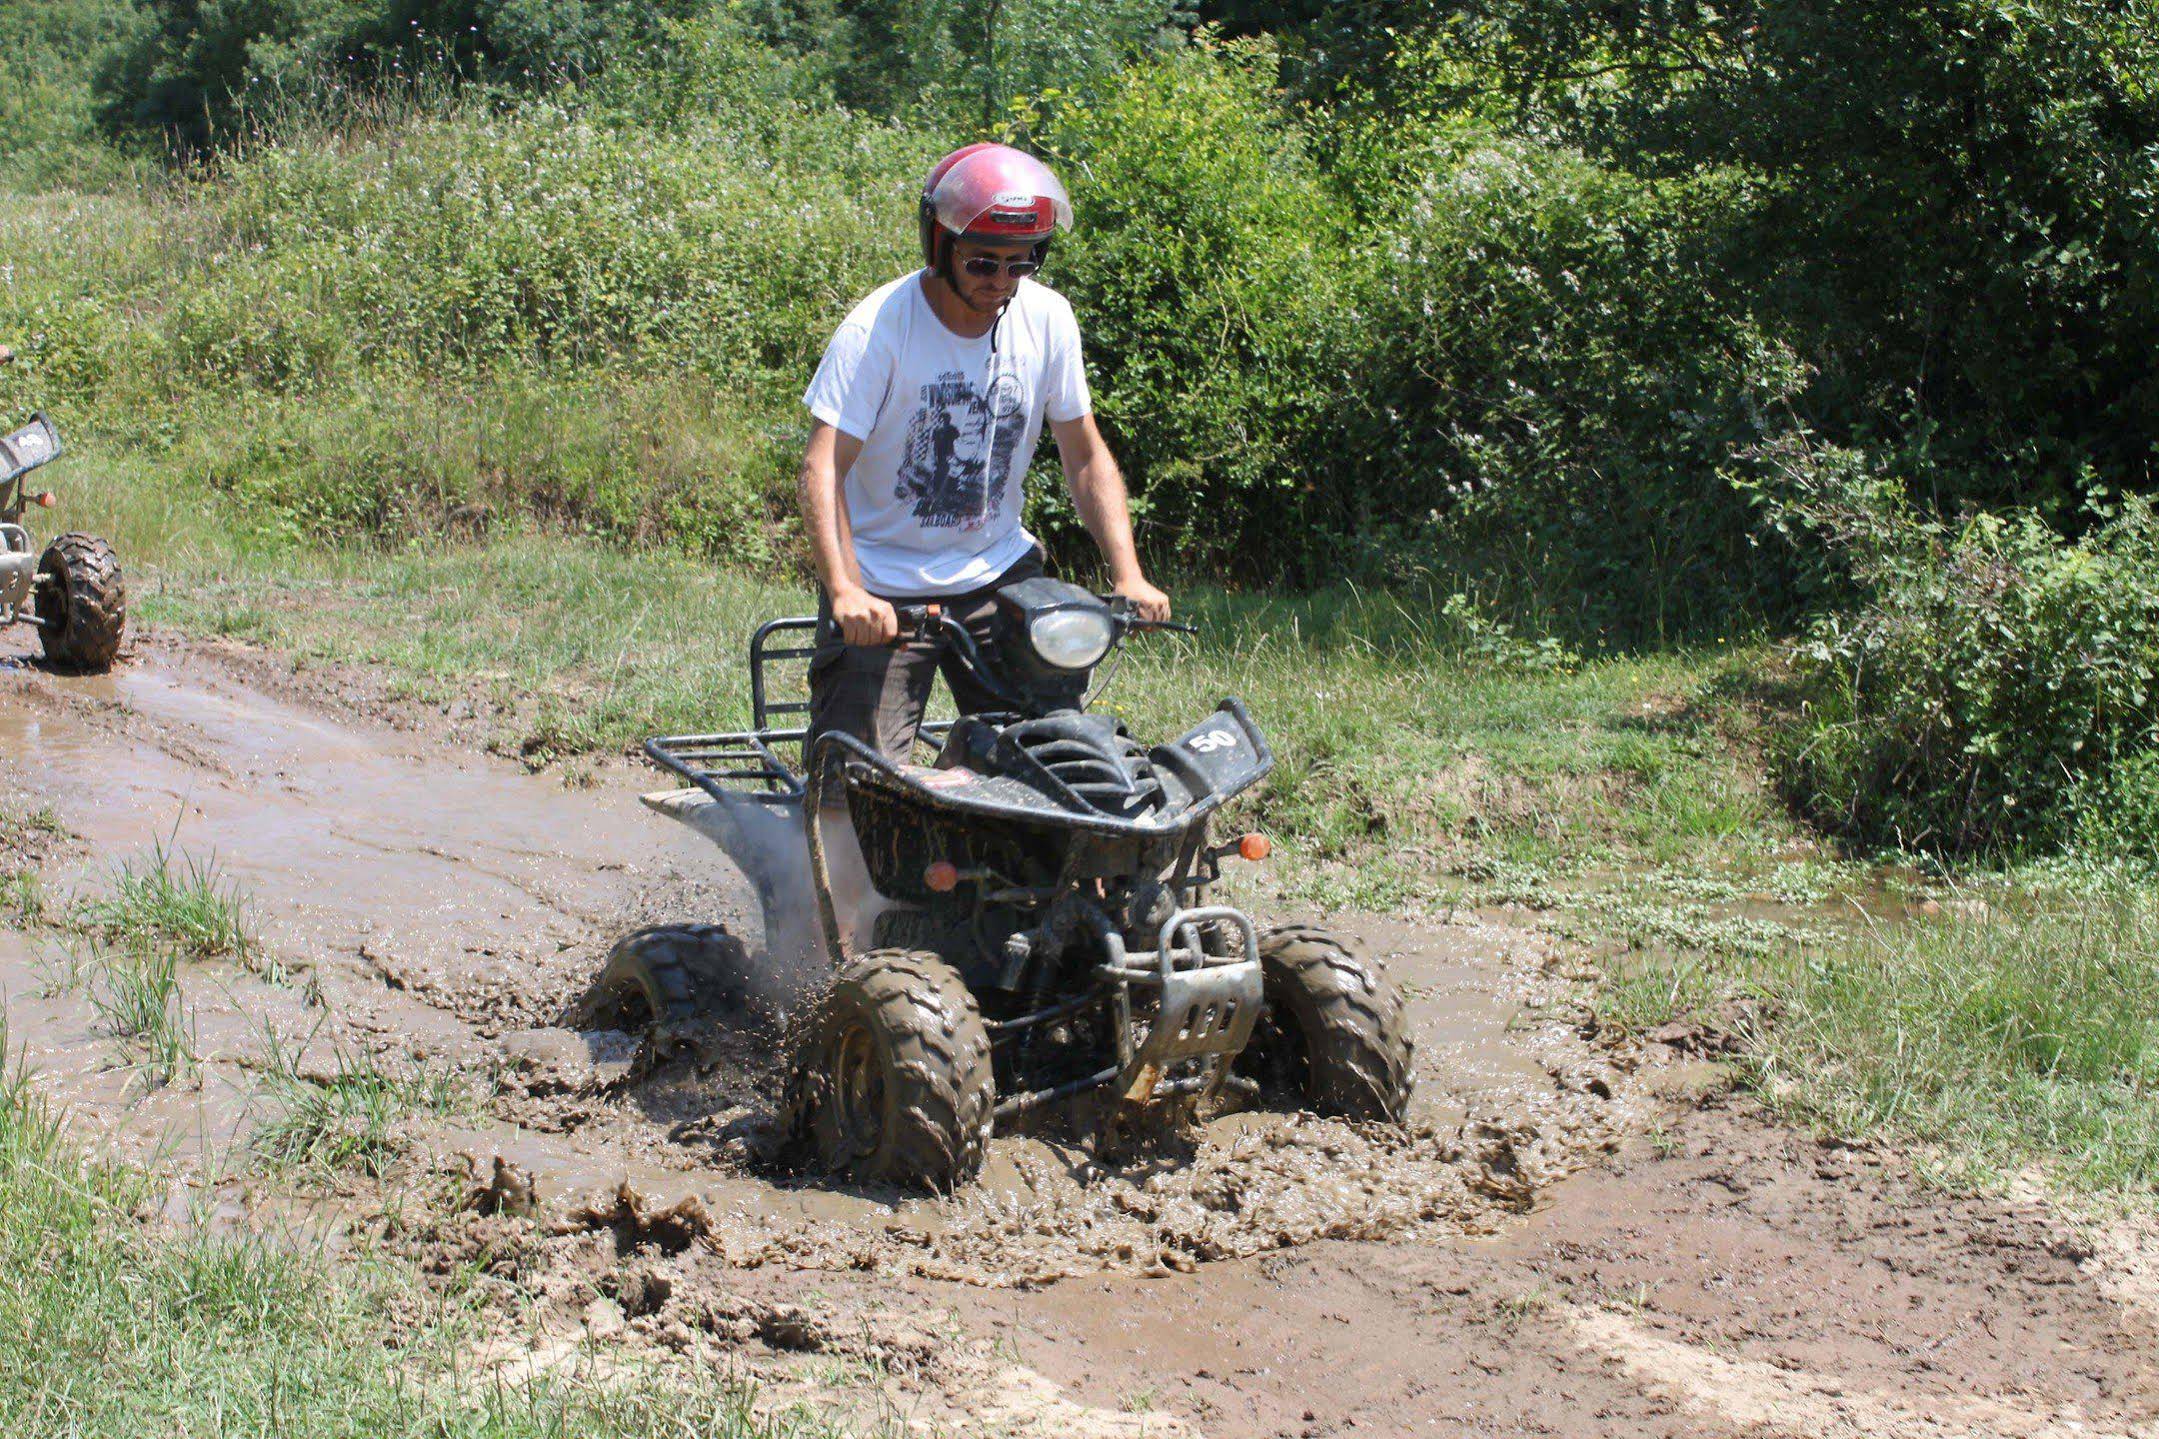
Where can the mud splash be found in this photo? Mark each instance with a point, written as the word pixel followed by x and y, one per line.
pixel 765 840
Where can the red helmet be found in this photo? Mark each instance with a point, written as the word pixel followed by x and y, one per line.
pixel 991 192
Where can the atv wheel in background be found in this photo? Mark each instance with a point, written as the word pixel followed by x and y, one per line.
pixel 892 1079
pixel 666 974
pixel 1332 1031
pixel 81 602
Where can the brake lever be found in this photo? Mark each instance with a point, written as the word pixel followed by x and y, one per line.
pixel 915 620
pixel 1121 609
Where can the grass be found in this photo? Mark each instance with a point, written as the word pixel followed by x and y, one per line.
pixel 1399 755
pixel 28 829
pixel 2019 1030
pixel 351 1119
pixel 174 903
pixel 22 900
pixel 137 996
pixel 116 1330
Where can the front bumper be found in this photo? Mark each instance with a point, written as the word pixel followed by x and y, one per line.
pixel 1207 1003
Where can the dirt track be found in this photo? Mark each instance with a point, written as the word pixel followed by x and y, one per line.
pixel 1271 1275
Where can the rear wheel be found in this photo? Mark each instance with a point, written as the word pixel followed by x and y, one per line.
pixel 81 602
pixel 666 974
pixel 1333 1029
pixel 892 1080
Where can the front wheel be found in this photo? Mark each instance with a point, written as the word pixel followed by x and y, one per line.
pixel 1333 1028
pixel 891 1080
pixel 81 602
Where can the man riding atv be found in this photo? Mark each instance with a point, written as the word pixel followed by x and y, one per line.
pixel 928 405
pixel 1031 917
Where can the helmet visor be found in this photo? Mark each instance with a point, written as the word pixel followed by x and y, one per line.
pixel 1001 193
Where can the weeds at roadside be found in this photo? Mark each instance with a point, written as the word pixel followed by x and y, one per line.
pixel 135 1330
pixel 1512 1310
pixel 29 1130
pixel 30 831
pixel 64 968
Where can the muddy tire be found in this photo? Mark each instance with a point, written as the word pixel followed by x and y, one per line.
pixel 665 975
pixel 82 602
pixel 891 1082
pixel 1333 1028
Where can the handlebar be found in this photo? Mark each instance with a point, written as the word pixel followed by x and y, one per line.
pixel 1120 609
pixel 916 620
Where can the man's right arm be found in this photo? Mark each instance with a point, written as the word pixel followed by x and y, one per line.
pixel 863 618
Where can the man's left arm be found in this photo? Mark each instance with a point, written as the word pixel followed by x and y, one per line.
pixel 1098 493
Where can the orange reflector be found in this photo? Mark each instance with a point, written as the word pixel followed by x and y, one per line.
pixel 941 876
pixel 1255 847
pixel 44 498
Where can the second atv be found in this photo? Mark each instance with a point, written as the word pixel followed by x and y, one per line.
pixel 72 592
pixel 1042 924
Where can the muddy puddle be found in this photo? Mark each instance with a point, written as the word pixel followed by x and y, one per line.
pixel 431 915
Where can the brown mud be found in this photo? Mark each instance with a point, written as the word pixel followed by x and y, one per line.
pixel 431 913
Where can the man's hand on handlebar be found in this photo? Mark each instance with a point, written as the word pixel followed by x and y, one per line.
pixel 1148 603
pixel 863 618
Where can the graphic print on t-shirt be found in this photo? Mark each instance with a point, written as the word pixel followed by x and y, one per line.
pixel 960 443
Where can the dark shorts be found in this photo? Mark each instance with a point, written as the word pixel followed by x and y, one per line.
pixel 878 693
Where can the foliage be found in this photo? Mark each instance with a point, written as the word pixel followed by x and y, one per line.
pixel 968 61
pixel 49 50
pixel 1948 210
pixel 2118 811
pixel 1216 326
pixel 1996 676
pixel 1617 322
pixel 1558 387
pixel 202 71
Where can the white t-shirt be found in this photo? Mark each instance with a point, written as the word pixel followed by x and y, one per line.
pixel 948 427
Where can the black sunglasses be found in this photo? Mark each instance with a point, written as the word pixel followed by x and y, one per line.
pixel 982 267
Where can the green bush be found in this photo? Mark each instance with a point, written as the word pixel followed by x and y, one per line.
pixel 1556 391
pixel 1948 209
pixel 2118 812
pixel 546 236
pixel 1996 679
pixel 1206 272
pixel 49 52
pixel 202 75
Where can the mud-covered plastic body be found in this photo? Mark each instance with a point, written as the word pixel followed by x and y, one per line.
pixel 1057 868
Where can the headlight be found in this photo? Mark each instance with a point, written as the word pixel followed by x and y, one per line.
pixel 1071 639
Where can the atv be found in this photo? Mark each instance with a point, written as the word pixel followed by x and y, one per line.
pixel 1041 924
pixel 72 592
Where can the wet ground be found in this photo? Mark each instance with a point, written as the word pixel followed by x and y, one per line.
pixel 431 912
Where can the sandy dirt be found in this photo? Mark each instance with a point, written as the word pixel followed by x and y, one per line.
pixel 1518 1260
